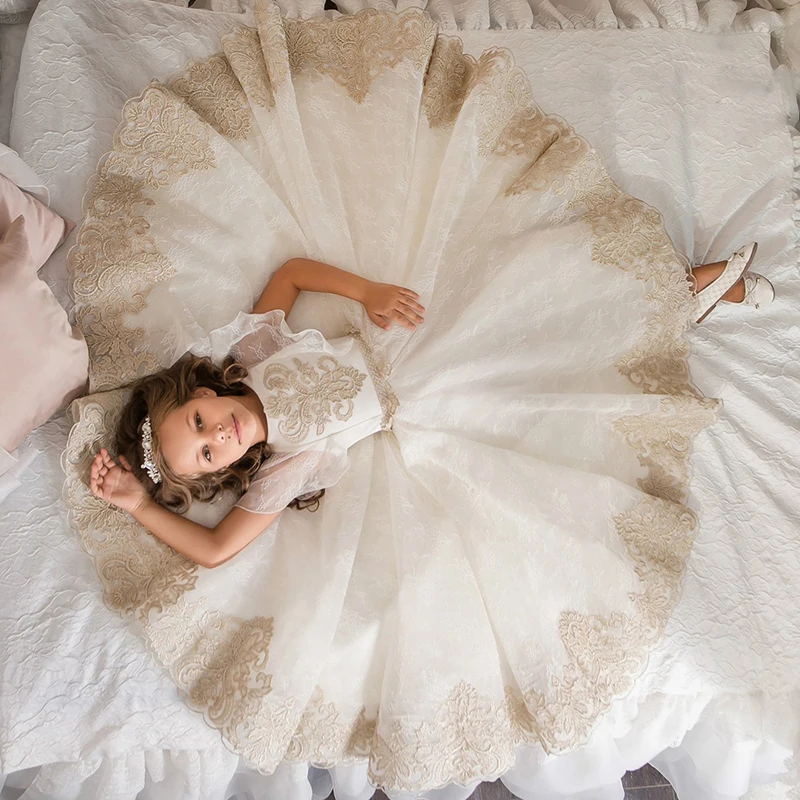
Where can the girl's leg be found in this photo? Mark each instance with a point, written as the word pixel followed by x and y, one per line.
pixel 701 276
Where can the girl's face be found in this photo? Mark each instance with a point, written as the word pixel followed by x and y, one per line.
pixel 207 434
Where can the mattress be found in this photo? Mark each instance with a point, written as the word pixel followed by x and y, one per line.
pixel 683 102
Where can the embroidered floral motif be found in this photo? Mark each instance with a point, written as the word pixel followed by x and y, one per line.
pixel 470 736
pixel 309 396
pixel 212 91
pixel 273 35
pixel 354 50
pixel 243 50
pixel 323 736
pixel 510 122
pixel 380 370
pixel 224 669
pixel 159 140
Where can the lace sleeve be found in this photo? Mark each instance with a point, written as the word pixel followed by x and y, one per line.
pixel 249 338
pixel 253 338
pixel 286 476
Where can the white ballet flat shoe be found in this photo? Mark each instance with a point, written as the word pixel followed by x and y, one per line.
pixel 737 266
pixel 758 291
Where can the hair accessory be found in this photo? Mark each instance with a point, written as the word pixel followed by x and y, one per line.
pixel 147 449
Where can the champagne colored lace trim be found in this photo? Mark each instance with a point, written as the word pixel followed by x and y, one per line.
pixel 380 371
pixel 306 396
pixel 212 90
pixel 354 50
pixel 243 51
pixel 159 140
pixel 221 661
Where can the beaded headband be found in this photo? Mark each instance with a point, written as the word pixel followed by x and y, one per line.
pixel 147 449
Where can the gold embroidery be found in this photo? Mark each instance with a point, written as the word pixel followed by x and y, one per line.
pixel 223 671
pixel 447 82
pixel 243 50
pixel 663 441
pixel 607 654
pixel 307 396
pixel 354 50
pixel 470 736
pixel 380 371
pixel 323 737
pixel 510 122
pixel 272 34
pixel 160 139
pixel 212 90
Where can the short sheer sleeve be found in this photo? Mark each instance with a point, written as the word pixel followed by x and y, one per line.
pixel 286 476
pixel 253 338
pixel 249 338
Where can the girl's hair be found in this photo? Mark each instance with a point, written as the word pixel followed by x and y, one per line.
pixel 157 395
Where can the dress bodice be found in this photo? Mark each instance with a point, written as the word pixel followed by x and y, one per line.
pixel 310 396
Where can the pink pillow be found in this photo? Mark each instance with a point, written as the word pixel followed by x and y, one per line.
pixel 46 229
pixel 44 362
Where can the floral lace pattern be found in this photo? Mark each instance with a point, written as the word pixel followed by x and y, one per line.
pixel 303 397
pixel 355 50
pixel 159 140
pixel 222 662
pixel 380 370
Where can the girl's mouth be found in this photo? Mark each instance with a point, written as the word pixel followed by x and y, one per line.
pixel 237 428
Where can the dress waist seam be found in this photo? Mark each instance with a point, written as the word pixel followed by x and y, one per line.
pixel 379 371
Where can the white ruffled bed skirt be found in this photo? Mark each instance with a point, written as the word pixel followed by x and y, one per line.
pixel 731 748
pixel 708 16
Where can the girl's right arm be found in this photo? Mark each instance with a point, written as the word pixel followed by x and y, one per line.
pixel 208 547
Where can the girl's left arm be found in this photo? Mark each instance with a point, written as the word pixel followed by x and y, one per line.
pixel 385 303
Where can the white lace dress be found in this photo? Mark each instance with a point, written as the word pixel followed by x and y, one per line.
pixel 504 531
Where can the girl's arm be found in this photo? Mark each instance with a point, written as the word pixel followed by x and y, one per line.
pixel 385 303
pixel 208 547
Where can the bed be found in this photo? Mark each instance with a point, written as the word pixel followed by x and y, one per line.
pixel 684 101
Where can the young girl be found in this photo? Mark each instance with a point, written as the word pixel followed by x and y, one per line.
pixel 197 428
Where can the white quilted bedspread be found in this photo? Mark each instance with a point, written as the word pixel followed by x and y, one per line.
pixel 693 123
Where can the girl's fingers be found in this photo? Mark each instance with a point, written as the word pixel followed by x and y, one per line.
pixel 378 320
pixel 402 320
pixel 411 303
pixel 124 462
pixel 409 311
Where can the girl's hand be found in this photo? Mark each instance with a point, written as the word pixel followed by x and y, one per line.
pixel 386 304
pixel 115 483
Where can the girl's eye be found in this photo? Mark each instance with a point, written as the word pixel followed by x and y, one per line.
pixel 206 454
pixel 198 421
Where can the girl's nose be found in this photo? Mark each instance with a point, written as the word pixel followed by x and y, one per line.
pixel 220 433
